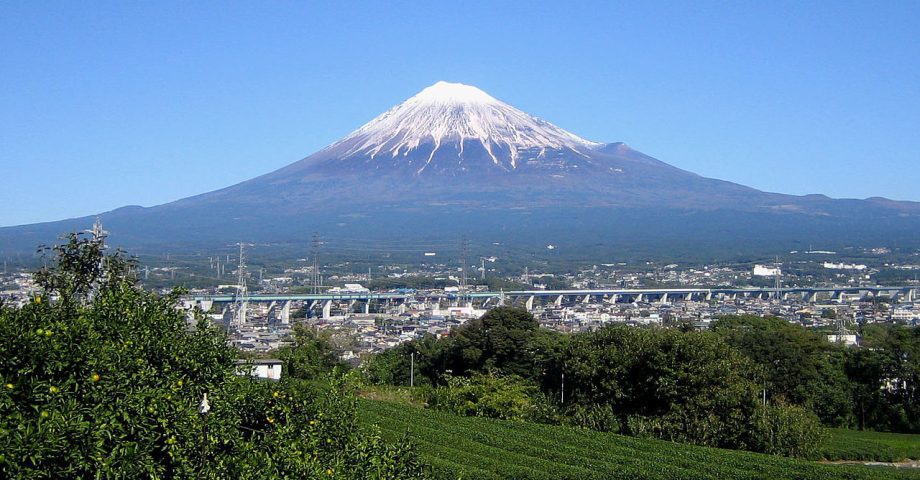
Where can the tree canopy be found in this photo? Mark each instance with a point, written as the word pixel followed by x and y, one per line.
pixel 101 379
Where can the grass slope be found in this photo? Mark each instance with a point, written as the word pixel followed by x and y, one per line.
pixel 469 447
pixel 844 444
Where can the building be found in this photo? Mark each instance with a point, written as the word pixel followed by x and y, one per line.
pixel 846 339
pixel 765 271
pixel 269 369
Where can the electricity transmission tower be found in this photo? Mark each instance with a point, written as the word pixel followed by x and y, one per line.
pixel 464 254
pixel 777 280
pixel 315 277
pixel 242 300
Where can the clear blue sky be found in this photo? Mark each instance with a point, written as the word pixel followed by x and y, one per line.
pixel 106 104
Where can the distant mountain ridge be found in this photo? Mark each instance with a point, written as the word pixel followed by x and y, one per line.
pixel 453 158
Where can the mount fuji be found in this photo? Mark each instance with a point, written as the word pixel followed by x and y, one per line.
pixel 452 159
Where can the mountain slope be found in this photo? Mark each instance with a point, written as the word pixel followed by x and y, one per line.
pixel 454 159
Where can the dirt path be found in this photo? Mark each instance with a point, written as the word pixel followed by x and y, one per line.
pixel 904 464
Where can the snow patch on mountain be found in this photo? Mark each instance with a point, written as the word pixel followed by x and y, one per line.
pixel 449 114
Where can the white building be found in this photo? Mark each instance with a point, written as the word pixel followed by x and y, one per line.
pixel 269 369
pixel 905 314
pixel 849 340
pixel 844 266
pixel 765 271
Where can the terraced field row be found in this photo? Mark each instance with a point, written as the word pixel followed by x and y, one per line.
pixel 467 447
pixel 856 445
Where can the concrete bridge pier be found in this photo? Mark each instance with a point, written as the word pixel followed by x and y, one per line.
pixel 529 303
pixel 558 301
pixel 286 313
pixel 206 305
pixel 327 309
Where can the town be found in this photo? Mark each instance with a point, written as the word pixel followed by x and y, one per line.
pixel 363 313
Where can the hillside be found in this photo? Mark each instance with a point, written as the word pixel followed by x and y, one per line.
pixel 843 444
pixel 470 447
pixel 453 160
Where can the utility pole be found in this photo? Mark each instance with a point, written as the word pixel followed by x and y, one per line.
pixel 562 399
pixel 203 409
pixel 412 370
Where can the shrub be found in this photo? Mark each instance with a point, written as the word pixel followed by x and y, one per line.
pixel 596 417
pixel 489 395
pixel 787 430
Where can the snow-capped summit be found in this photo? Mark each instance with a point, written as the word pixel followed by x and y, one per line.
pixel 455 127
pixel 452 93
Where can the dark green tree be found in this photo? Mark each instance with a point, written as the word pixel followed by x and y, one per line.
pixel 311 355
pixel 685 386
pixel 393 366
pixel 503 339
pixel 793 358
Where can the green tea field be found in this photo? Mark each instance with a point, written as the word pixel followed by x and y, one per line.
pixel 470 447
pixel 844 444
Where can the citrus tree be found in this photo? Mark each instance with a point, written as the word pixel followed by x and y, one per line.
pixel 102 379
